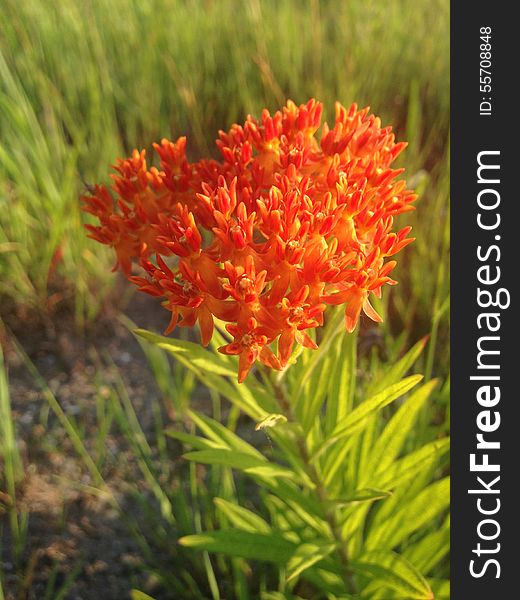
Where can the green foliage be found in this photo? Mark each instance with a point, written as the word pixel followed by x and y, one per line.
pixel 137 595
pixel 235 542
pixel 11 470
pixel 352 501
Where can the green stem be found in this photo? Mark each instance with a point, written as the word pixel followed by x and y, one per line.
pixel 321 492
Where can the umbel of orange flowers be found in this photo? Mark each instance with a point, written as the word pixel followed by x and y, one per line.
pixel 264 239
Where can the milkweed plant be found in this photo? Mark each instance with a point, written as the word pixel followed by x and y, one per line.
pixel 275 251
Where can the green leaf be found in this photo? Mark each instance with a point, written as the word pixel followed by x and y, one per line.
pixel 279 596
pixel 138 595
pixel 335 460
pixel 191 354
pixel 309 402
pixel 332 329
pixel 441 588
pixel 307 506
pixel 255 397
pixel 428 552
pixel 193 440
pixel 395 572
pixel 342 381
pixel 362 495
pixel 408 467
pixel 233 542
pixel 353 421
pixel 271 420
pixel 241 517
pixel 222 435
pixel 305 556
pixel 353 517
pixel 289 514
pixel 360 416
pixel 398 370
pixel 326 581
pixel 394 435
pixel 410 516
pixel 241 461
pixel 215 372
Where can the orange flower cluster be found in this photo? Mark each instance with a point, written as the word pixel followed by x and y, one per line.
pixel 264 239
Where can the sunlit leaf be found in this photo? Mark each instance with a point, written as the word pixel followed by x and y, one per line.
pixel 305 556
pixel 359 417
pixel 430 550
pixel 342 380
pixel 271 421
pixel 242 518
pixel 239 460
pixel 393 373
pixel 441 588
pixel 138 595
pixel 233 542
pixel 362 495
pixel 193 440
pixel 221 434
pixel 394 435
pixel 396 572
pixel 417 512
pixel 190 353
pixel 409 466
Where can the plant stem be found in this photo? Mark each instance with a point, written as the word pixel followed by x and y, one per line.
pixel 321 491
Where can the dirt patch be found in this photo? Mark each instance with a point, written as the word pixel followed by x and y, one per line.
pixel 72 533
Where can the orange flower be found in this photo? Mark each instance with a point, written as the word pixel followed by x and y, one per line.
pixel 249 343
pixel 264 239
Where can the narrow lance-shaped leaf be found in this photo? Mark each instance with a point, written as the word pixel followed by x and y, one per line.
pixel 362 495
pixel 241 461
pixel 254 546
pixel 422 509
pixel 394 435
pixel 395 572
pixel 398 370
pixel 189 353
pixel 305 556
pixel 197 442
pixel 430 550
pixel 241 517
pixel 216 373
pixel 409 466
pixel 311 399
pixel 359 417
pixel 332 329
pixel 138 595
pixel 441 588
pixel 221 434
pixel 342 381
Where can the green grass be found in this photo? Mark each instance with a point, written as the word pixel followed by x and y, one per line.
pixel 11 475
pixel 81 83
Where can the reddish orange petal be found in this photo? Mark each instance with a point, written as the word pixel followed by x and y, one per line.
pixel 268 358
pixel 353 309
pixel 305 340
pixel 370 312
pixel 206 325
pixel 245 363
pixel 285 345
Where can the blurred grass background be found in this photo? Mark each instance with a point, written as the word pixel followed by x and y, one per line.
pixel 84 82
